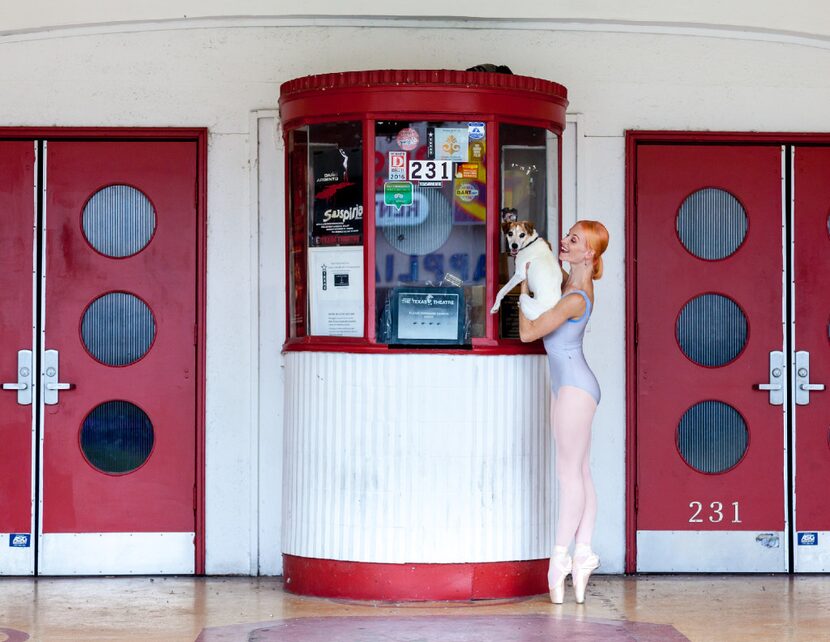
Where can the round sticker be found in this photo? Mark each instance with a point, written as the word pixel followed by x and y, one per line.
pixel 408 138
pixel 467 192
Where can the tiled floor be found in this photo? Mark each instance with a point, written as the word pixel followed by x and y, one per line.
pixel 646 608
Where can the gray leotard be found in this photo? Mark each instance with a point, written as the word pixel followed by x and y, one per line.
pixel 567 363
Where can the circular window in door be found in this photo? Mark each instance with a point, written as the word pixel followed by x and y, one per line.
pixel 118 329
pixel 711 330
pixel 711 224
pixel 117 437
pixel 119 221
pixel 712 437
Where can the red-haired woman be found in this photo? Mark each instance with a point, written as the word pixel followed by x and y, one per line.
pixel 574 398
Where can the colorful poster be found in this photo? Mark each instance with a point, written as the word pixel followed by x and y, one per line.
pixel 335 279
pixel 338 196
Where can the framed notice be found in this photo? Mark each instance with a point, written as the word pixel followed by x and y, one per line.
pixel 428 316
pixel 335 283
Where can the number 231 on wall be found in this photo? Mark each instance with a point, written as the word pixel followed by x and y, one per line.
pixel 714 513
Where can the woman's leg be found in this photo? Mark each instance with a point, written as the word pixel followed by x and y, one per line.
pixel 572 417
pixel 585 530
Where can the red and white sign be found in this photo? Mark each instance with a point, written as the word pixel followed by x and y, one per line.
pixel 397 166
pixel 408 139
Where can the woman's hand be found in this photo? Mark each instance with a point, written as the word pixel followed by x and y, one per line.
pixel 525 289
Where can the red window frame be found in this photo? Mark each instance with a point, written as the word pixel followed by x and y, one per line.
pixel 415 95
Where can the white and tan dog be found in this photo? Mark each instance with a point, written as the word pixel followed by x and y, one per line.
pixel 543 276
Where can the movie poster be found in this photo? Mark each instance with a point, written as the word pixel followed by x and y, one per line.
pixel 337 215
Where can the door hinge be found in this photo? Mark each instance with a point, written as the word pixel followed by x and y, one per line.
pixel 195 334
pixel 194 498
pixel 636 333
pixel 636 498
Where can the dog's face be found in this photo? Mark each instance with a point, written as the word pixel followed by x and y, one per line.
pixel 518 235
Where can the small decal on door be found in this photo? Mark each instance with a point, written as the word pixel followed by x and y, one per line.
pixel 808 539
pixel 20 540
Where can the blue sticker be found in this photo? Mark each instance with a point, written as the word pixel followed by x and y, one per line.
pixel 20 540
pixel 808 539
pixel 475 130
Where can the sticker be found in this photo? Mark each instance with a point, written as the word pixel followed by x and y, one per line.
pixel 808 539
pixel 408 139
pixel 20 540
pixel 430 143
pixel 467 192
pixel 452 144
pixel 397 166
pixel 469 201
pixel 430 184
pixel 466 170
pixel 397 194
pixel 475 130
pixel 430 170
pixel 477 149
pixel 415 214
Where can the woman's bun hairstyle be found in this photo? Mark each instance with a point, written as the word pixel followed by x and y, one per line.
pixel 597 237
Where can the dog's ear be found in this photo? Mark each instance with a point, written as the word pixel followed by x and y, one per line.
pixel 505 226
pixel 531 230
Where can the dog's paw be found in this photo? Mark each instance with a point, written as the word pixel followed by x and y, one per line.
pixel 495 308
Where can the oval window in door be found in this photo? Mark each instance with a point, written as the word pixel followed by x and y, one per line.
pixel 711 224
pixel 117 437
pixel 711 330
pixel 712 437
pixel 118 329
pixel 119 221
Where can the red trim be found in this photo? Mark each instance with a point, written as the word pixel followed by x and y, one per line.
pixel 201 350
pixel 371 581
pixel 480 346
pixel 631 140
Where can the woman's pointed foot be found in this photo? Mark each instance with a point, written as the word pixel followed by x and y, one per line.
pixel 584 563
pixel 560 567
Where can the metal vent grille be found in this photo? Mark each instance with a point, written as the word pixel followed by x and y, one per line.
pixel 119 221
pixel 711 224
pixel 712 437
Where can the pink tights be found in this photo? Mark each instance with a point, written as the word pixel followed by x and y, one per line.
pixel 571 413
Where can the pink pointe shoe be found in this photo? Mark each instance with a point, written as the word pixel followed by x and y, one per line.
pixel 584 563
pixel 560 567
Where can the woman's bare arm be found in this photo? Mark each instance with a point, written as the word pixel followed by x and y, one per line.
pixel 566 308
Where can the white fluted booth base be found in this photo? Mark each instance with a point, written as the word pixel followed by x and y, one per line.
pixel 417 458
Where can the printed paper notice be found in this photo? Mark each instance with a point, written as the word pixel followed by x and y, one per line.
pixel 335 277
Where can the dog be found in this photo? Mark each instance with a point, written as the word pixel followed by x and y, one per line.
pixel 543 276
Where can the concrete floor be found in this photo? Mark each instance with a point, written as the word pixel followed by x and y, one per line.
pixel 653 608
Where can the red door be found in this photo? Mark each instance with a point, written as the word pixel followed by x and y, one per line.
pixel 710 447
pixel 811 261
pixel 17 220
pixel 119 358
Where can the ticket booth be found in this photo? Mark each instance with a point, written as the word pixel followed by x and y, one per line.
pixel 417 448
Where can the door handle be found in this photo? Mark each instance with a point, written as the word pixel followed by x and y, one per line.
pixel 25 379
pixel 51 386
pixel 775 387
pixel 803 387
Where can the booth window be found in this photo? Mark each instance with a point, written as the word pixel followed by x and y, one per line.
pixel 529 164
pixel 430 232
pixel 325 237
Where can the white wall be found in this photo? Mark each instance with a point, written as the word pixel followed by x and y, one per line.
pixel 215 76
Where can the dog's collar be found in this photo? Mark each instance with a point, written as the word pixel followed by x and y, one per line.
pixel 529 244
